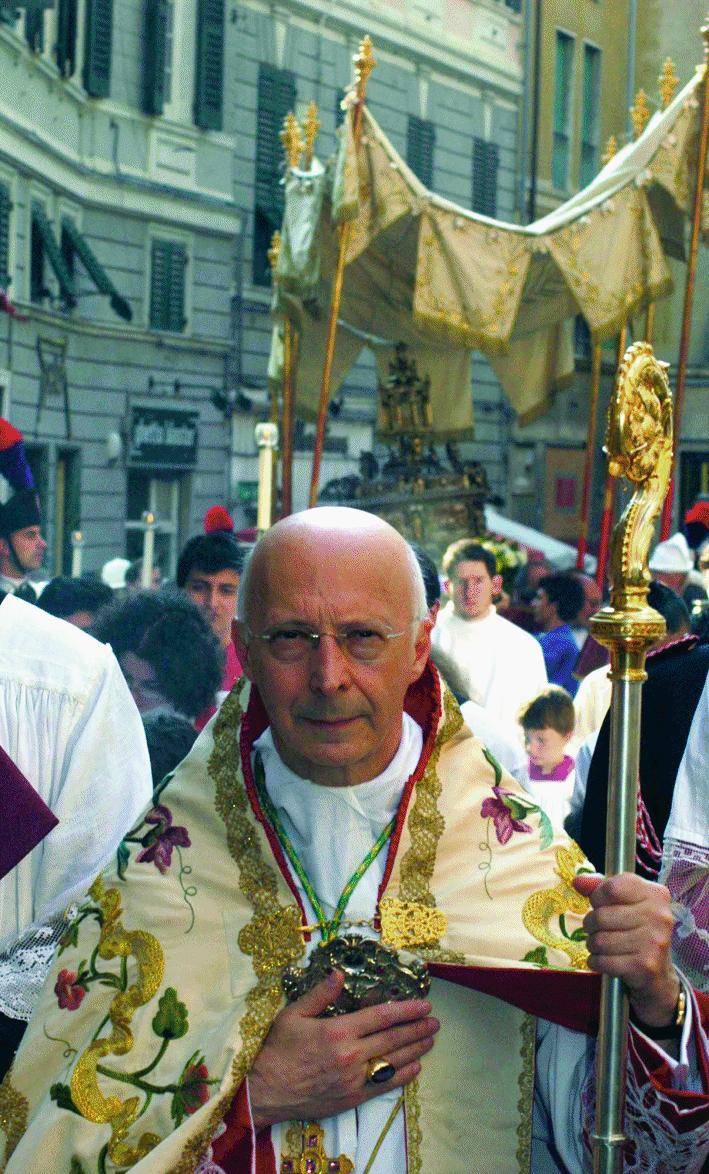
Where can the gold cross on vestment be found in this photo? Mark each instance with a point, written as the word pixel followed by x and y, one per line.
pixel 305 1141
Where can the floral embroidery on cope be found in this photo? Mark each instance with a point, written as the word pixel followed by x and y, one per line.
pixel 553 904
pixel 158 839
pixel 508 812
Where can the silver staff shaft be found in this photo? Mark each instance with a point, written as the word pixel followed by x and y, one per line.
pixel 620 857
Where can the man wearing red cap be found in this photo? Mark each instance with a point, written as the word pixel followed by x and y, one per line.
pixel 208 570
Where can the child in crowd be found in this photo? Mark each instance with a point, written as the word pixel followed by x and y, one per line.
pixel 548 724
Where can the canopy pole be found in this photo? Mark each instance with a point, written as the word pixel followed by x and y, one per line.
pixel 290 366
pixel 364 64
pixel 628 627
pixel 590 456
pixel 683 357
pixel 608 493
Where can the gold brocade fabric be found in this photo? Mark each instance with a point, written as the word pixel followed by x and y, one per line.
pixel 423 270
pixel 168 980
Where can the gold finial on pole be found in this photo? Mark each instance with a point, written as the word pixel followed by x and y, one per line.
pixel 364 62
pixel 311 127
pixel 639 447
pixel 274 251
pixel 667 82
pixel 610 151
pixel 640 113
pixel 292 139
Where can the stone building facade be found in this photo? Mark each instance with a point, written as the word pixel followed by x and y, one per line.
pixel 139 187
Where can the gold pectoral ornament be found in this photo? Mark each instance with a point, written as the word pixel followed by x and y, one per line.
pixel 373 974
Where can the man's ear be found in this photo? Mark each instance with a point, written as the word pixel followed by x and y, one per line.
pixel 434 610
pixel 422 647
pixel 238 635
pixel 448 587
pixel 496 584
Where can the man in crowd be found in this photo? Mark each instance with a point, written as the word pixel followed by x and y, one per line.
pixel 558 601
pixel 69 725
pixel 77 601
pixel 672 563
pixel 22 546
pixel 498 664
pixel 343 794
pixel 208 570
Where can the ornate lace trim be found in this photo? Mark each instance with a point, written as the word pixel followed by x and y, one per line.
pixel 24 966
pixel 653 1146
pixel 685 871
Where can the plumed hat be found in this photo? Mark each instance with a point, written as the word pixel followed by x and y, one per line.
pixel 672 555
pixel 13 462
pixel 21 510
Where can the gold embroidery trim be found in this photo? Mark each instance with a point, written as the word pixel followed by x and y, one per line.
pixel 540 908
pixel 525 1083
pixel 407 924
pixel 14 1113
pixel 425 822
pixel 414 1136
pixel 274 928
pixel 115 941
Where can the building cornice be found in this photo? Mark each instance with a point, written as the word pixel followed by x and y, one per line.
pixel 401 41
pixel 63 324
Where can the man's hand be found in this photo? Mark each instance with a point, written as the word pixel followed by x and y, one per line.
pixel 312 1068
pixel 629 936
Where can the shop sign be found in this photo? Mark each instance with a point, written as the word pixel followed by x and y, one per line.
pixel 163 438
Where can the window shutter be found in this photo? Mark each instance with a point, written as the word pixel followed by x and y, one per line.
pixel 34 29
pixel 420 144
pixel 159 269
pixel 65 51
pixel 97 48
pixel 485 164
pixel 5 210
pixel 209 81
pixel 167 286
pixel 156 17
pixel 276 96
pixel 176 288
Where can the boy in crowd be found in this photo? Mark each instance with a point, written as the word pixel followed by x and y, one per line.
pixel 548 724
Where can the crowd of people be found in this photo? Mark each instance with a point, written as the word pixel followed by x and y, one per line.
pixel 368 726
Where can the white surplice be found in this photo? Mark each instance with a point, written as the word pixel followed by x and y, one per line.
pixel 501 666
pixel 70 724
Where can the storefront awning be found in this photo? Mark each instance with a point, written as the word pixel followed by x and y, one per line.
pixel 96 271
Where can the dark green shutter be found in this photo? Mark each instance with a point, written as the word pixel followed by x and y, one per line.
pixel 34 28
pixel 156 17
pixel 167 286
pixel 8 12
pixel 485 164
pixel 276 96
pixel 97 48
pixel 176 288
pixel 209 81
pixel 54 254
pixel 420 144
pixel 65 51
pixel 5 210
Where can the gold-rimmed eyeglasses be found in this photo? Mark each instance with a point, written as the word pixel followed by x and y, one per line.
pixel 362 642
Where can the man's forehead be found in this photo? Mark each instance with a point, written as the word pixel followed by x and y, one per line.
pixel 470 567
pixel 225 575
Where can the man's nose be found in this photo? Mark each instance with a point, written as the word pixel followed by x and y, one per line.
pixel 329 667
